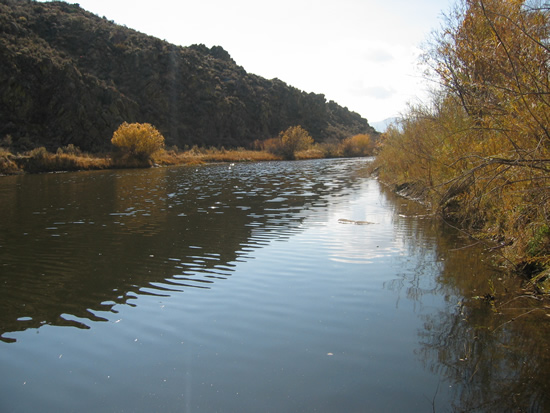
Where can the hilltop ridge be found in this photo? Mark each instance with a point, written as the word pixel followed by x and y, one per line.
pixel 68 76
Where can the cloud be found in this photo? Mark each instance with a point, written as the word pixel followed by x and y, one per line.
pixel 375 92
pixel 379 56
pixel 379 92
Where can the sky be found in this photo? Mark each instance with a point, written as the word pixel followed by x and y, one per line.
pixel 363 54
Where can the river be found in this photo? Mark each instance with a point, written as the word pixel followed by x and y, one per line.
pixel 299 286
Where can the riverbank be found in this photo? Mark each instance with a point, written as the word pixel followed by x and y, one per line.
pixel 41 161
pixel 519 251
pixel 294 143
pixel 479 148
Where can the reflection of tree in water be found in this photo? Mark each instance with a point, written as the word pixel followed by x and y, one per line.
pixel 83 243
pixel 492 369
pixel 493 363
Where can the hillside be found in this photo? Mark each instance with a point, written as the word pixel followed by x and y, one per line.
pixel 69 76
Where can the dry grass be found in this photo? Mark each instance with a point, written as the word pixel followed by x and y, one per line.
pixel 311 153
pixel 70 158
pixel 240 156
pixel 197 156
pixel 40 160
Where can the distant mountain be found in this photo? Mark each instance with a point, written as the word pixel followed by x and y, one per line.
pixel 69 76
pixel 383 124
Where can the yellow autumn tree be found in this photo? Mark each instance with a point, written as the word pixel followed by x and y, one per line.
pixel 358 145
pixel 294 139
pixel 289 141
pixel 137 140
pixel 480 149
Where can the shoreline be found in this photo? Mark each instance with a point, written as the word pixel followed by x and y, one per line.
pixel 41 161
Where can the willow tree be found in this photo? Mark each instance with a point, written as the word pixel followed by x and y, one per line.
pixel 494 56
pixel 137 141
pixel 289 141
pixel 486 134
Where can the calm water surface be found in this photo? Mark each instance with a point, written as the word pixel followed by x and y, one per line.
pixel 272 287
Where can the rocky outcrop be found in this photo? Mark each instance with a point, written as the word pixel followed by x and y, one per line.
pixel 69 76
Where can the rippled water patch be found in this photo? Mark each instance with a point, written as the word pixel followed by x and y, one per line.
pixel 284 286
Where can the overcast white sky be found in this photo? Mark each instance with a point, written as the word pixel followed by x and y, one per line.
pixel 360 53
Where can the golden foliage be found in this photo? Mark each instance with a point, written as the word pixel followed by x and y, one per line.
pixel 40 160
pixel 7 163
pixel 481 147
pixel 289 142
pixel 358 145
pixel 295 139
pixel 138 140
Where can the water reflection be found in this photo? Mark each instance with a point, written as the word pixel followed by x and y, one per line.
pixel 75 245
pixel 494 353
pixel 75 248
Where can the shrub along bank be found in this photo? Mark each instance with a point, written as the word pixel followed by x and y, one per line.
pixel 479 152
pixel 140 145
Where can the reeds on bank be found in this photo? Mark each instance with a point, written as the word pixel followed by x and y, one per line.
pixel 40 160
pixel 71 158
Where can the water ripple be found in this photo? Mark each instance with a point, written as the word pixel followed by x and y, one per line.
pixel 90 242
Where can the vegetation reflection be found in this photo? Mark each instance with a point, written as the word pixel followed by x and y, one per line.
pixel 487 343
pixel 80 244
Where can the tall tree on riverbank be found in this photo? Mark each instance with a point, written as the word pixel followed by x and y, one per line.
pixel 481 147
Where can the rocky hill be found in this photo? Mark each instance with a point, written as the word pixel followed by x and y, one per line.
pixel 69 76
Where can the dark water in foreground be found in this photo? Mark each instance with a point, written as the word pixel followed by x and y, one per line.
pixel 242 288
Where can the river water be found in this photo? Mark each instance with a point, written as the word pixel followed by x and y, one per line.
pixel 272 287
